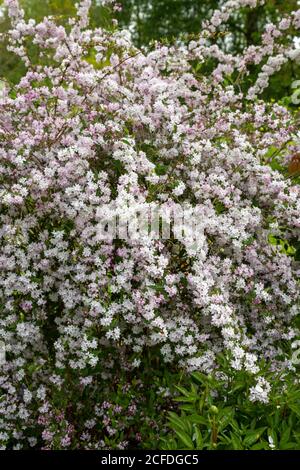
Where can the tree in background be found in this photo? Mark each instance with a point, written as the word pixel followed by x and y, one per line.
pixel 156 19
pixel 164 20
pixel 11 67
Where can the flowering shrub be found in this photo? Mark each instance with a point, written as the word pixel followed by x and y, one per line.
pixel 215 414
pixel 95 120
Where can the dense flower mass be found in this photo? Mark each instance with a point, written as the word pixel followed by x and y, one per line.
pixel 95 120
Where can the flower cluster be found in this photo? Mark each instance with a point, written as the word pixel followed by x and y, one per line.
pixel 92 121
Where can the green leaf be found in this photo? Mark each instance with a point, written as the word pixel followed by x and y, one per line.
pixel 180 422
pixel 184 391
pixel 176 422
pixel 260 446
pixel 197 419
pixel 199 377
pixel 238 387
pixel 189 399
pixel 225 417
pixel 169 444
pixel 185 438
pixel 187 407
pixel 285 436
pixel 160 169
pixel 272 437
pixel 294 408
pixel 289 446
